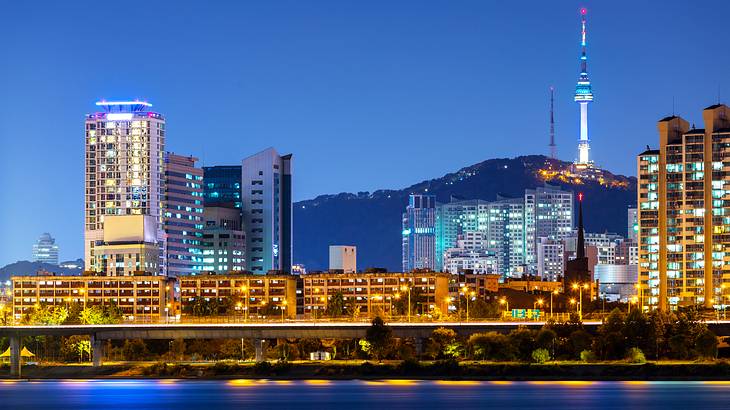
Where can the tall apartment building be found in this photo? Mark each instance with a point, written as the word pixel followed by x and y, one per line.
pixel 128 247
pixel 266 204
pixel 222 185
pixel 124 169
pixel 506 235
pixel 470 255
pixel 224 241
pixel 456 218
pixel 548 214
pixel 684 215
pixel 419 233
pixel 45 250
pixel 183 215
pixel 550 258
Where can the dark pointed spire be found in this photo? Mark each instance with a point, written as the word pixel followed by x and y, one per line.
pixel 580 251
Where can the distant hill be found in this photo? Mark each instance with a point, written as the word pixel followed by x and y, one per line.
pixel 372 221
pixel 27 268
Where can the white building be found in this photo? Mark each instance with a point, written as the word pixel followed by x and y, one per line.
pixel 633 225
pixel 470 254
pixel 343 258
pixel 617 282
pixel 224 242
pixel 550 259
pixel 266 205
pixel 548 214
pixel 124 169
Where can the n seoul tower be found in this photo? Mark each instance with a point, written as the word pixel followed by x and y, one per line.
pixel 583 95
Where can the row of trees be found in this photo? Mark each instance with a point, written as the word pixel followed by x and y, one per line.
pixel 73 314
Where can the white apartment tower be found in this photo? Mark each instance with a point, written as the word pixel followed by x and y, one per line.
pixel 125 146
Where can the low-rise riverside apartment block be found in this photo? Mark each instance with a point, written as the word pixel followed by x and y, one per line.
pixel 141 296
pixel 684 214
pixel 250 296
pixel 375 292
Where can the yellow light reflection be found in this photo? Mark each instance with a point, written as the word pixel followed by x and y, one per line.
pixel 457 382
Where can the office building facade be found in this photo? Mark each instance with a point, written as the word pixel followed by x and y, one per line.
pixel 183 215
pixel 456 218
pixel 684 213
pixel 222 185
pixel 124 175
pixel 266 204
pixel 45 250
pixel 419 233
pixel 224 241
pixel 548 214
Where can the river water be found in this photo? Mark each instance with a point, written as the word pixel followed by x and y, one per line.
pixel 356 394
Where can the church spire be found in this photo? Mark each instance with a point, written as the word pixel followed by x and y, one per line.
pixel 580 251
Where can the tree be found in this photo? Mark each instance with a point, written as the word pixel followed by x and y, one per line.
pixel 336 305
pixel 540 355
pixel 523 340
pixel 706 345
pixel 177 349
pixel 610 342
pixel 48 315
pixel 481 309
pixel 580 340
pixel 101 315
pixel 491 346
pixel 441 339
pixel 75 347
pixel 380 338
pixel 134 349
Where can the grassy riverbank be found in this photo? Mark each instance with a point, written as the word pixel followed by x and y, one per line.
pixel 341 370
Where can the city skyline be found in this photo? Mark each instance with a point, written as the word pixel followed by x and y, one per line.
pixel 58 139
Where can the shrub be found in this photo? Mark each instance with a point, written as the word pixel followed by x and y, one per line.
pixel 262 368
pixel 635 355
pixel 491 346
pixel 588 356
pixel 540 355
pixel 706 345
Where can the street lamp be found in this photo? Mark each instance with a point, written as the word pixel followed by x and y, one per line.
pixel 641 296
pixel 572 302
pixel 447 300
pixel 407 288
pixel 468 295
pixel 504 301
pixel 555 292
pixel 580 288
pixel 244 291
pixel 282 307
pixel 83 292
pixel 538 302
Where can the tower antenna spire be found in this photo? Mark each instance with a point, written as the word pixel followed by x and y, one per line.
pixel 583 96
pixel 553 148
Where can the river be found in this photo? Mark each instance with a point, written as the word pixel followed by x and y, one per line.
pixel 356 394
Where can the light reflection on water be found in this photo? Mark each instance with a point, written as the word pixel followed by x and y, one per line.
pixel 359 394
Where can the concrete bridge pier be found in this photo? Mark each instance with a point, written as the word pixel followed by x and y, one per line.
pixel 15 356
pixel 97 350
pixel 260 348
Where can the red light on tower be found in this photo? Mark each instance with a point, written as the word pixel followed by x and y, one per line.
pixel 583 11
pixel 580 197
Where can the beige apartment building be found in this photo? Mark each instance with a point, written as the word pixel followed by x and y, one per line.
pixel 141 297
pixel 251 296
pixel 375 292
pixel 684 214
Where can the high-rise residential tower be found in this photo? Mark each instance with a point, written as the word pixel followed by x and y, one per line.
pixel 548 214
pixel 183 215
pixel 684 213
pixel 583 96
pixel 456 218
pixel 266 204
pixel 45 250
pixel 124 168
pixel 419 233
pixel 506 235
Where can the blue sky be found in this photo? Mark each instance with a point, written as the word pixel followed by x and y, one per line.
pixel 366 94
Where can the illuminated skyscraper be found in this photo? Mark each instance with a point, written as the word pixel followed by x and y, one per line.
pixel 124 168
pixel 266 204
pixel 419 233
pixel 183 216
pixel 583 96
pixel 684 214
pixel 222 185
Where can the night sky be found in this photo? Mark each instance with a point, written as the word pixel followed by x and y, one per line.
pixel 366 94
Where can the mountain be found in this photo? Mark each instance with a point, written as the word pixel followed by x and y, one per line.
pixel 27 268
pixel 372 221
